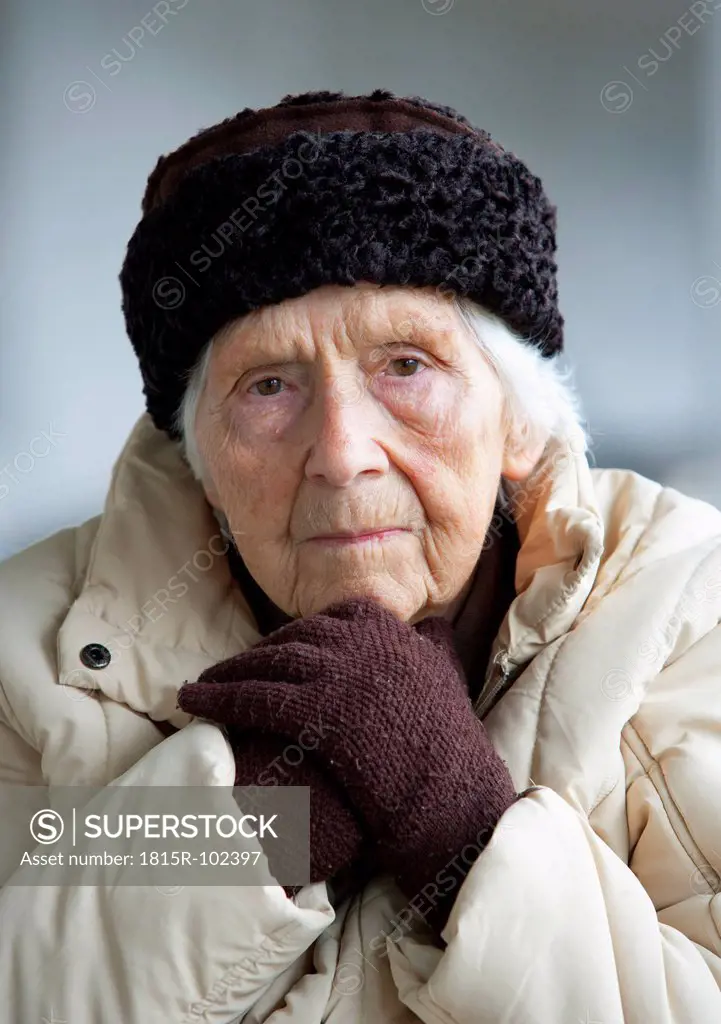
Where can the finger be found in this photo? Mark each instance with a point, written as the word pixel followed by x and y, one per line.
pixel 250 704
pixel 289 662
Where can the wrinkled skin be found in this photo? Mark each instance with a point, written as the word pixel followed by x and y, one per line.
pixel 351 409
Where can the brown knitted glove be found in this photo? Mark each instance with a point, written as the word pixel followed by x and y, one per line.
pixel 400 737
pixel 335 837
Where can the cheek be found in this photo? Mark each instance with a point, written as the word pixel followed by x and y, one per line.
pixel 256 490
pixel 454 449
pixel 256 423
pixel 455 472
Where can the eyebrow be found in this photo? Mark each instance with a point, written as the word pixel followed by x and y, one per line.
pixel 407 327
pixel 436 334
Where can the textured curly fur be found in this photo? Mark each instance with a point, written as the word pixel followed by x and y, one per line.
pixel 412 207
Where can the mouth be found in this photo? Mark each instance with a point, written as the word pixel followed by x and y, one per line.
pixel 359 537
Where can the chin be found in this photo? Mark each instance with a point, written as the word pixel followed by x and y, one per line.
pixel 401 601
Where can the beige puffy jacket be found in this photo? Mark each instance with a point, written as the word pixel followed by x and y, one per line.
pixel 597 899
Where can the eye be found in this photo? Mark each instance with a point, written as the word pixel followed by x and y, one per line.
pixel 409 365
pixel 274 382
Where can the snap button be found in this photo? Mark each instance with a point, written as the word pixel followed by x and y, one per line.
pixel 95 656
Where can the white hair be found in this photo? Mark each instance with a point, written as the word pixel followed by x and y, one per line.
pixel 540 404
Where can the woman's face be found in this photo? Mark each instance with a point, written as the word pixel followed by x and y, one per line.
pixel 348 411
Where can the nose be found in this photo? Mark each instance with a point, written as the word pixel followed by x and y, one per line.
pixel 345 423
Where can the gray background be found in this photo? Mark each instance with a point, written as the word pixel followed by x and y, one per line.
pixel 633 169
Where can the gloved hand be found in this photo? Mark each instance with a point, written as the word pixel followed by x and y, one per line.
pixel 400 738
pixel 336 842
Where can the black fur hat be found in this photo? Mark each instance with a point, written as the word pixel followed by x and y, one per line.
pixel 324 188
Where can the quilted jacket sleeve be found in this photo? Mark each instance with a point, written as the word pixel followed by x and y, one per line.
pixel 91 954
pixel 552 926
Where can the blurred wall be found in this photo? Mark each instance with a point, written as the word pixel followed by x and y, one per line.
pixel 628 151
pixel 697 470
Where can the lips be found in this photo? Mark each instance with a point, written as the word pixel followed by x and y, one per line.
pixel 358 535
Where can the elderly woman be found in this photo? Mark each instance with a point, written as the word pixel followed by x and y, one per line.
pixel 358 523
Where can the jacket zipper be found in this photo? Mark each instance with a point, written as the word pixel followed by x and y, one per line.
pixel 501 668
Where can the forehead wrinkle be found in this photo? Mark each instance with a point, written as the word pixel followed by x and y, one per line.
pixel 397 315
pixel 284 333
pixel 264 340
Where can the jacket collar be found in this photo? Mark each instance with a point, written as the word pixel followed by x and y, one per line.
pixel 561 533
pixel 158 592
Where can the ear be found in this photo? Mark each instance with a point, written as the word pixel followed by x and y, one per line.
pixel 519 459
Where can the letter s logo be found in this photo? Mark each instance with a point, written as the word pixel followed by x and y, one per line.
pixel 46 826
